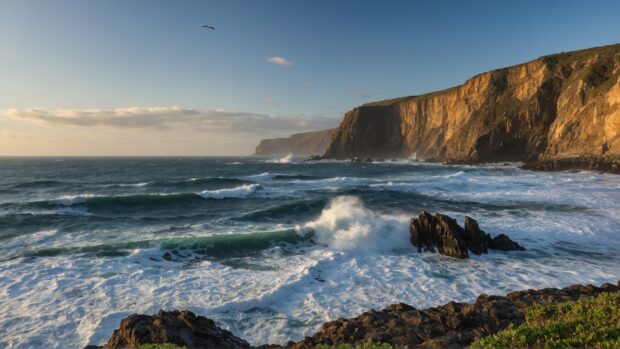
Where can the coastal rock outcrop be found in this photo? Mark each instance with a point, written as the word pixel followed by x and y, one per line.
pixel 557 107
pixel 453 325
pixel 182 328
pixel 300 144
pixel 441 233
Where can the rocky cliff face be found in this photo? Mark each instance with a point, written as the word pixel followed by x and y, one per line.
pixel 560 106
pixel 308 143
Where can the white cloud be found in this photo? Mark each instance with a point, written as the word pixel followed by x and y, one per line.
pixel 279 61
pixel 162 118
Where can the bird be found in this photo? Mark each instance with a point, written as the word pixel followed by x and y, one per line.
pixel 208 27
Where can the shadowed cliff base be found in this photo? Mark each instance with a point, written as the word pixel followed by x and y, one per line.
pixel 453 325
pixel 565 105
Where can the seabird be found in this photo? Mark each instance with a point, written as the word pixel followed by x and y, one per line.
pixel 208 27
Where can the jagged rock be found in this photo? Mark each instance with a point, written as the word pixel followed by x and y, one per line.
pixel 453 325
pixel 503 243
pixel 368 160
pixel 475 238
pixel 182 328
pixel 442 233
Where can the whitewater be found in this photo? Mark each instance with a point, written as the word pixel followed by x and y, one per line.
pixel 273 248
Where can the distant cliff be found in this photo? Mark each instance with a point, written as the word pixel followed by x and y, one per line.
pixel 305 144
pixel 560 106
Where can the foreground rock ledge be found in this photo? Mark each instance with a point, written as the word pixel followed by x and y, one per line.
pixel 452 325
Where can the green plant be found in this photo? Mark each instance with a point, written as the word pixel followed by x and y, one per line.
pixel 590 322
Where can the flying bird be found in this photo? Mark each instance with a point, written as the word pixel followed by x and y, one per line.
pixel 208 27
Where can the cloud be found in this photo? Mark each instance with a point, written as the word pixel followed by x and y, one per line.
pixel 271 102
pixel 162 118
pixel 309 85
pixel 279 61
pixel 359 91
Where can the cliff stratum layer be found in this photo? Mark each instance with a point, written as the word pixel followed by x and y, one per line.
pixel 561 106
pixel 308 143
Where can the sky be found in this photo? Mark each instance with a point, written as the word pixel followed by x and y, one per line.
pixel 141 77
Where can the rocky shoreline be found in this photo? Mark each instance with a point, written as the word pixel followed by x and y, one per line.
pixel 599 164
pixel 452 325
pixel 399 325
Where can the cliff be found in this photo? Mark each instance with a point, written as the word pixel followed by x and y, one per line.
pixel 560 106
pixel 308 143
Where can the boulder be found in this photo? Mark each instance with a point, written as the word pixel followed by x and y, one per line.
pixel 182 328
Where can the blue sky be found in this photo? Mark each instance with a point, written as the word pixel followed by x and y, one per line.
pixel 106 55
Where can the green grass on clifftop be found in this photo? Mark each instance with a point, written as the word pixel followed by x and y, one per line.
pixel 591 322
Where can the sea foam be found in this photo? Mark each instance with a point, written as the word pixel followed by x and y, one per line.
pixel 347 225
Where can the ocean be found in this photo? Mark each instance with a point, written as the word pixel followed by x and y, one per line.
pixel 272 248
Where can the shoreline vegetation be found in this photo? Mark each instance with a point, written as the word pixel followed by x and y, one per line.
pixel 575 316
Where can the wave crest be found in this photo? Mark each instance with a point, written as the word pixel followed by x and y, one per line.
pixel 346 225
pixel 230 193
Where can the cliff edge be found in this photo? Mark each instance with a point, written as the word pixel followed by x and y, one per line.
pixel 304 144
pixel 557 107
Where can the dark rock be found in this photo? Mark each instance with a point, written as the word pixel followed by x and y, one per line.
pixel 503 243
pixel 356 160
pixel 475 238
pixel 368 160
pixel 609 164
pixel 438 232
pixel 182 328
pixel 314 158
pixel 442 233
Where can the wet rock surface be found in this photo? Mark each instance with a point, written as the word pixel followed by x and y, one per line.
pixel 441 233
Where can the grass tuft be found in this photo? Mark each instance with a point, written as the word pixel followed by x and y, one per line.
pixel 590 322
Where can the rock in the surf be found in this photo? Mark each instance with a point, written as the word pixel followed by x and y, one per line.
pixel 477 240
pixel 182 328
pixel 439 232
pixel 503 243
pixel 442 233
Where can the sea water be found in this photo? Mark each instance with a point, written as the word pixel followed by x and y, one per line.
pixel 272 248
